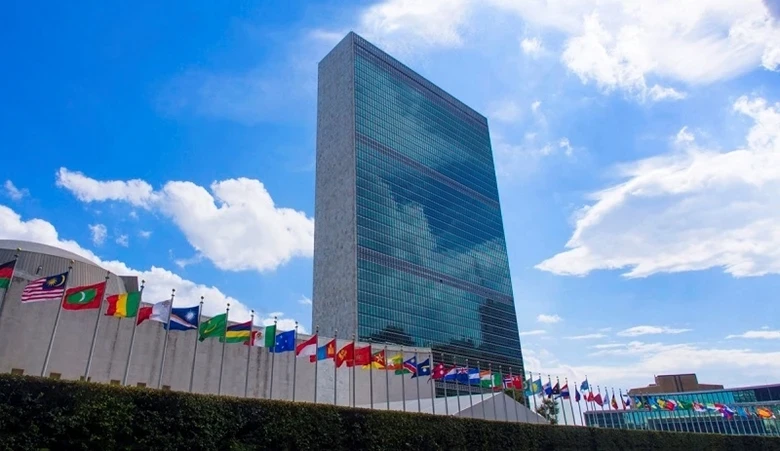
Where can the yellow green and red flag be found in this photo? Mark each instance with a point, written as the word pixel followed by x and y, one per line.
pixel 124 305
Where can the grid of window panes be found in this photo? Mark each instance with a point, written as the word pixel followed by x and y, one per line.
pixel 432 262
pixel 743 401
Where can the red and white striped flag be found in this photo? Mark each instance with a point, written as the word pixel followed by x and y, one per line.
pixel 45 289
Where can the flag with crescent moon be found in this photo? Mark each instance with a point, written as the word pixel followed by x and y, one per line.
pixel 45 289
pixel 86 297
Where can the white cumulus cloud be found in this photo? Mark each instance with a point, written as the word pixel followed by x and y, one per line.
pixel 531 46
pixel 690 209
pixel 761 334
pixel 650 330
pixel 235 223
pixel 548 319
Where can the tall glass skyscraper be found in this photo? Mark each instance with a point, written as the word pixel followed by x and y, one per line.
pixel 409 243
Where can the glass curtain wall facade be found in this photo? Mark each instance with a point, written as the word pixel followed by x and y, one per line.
pixel 431 259
pixel 750 410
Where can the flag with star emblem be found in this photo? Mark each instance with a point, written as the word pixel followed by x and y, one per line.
pixel 185 318
pixel 377 361
pixel 362 356
pixel 84 298
pixel 345 354
pixel 45 289
pixel 213 327
pixel 423 369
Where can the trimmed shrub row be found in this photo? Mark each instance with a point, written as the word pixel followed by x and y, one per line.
pixel 40 413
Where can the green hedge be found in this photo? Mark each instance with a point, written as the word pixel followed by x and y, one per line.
pixel 46 414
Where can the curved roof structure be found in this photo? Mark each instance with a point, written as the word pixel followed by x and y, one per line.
pixel 30 246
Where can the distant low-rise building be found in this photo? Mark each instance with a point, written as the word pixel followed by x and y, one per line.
pixel 674 383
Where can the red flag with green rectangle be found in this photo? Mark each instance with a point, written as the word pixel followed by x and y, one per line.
pixel 84 298
pixel 7 273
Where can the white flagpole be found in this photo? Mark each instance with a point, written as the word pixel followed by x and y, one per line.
pixel 503 395
pixel 468 384
pixel 514 394
pixel 295 357
pixel 335 368
pixel 354 348
pixel 444 384
pixel 132 336
pixel 387 380
pixel 579 408
pixel 431 381
pixel 11 280
pixel 56 322
pixel 165 342
pixel 249 353
pixel 495 409
pixel 371 375
pixel 457 383
pixel 403 379
pixel 272 350
pixel 482 394
pixel 317 359
pixel 95 332
pixel 417 378
pixel 563 408
pixel 224 341
pixel 533 395
pixel 197 340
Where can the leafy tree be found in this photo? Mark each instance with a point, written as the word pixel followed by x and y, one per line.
pixel 549 410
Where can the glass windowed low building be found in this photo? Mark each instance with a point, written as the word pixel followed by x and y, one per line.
pixel 740 411
pixel 409 244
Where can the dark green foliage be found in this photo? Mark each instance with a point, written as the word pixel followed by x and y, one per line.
pixel 45 414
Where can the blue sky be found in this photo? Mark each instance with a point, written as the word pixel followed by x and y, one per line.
pixel 637 145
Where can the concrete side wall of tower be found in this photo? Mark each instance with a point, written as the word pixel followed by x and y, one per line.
pixel 335 240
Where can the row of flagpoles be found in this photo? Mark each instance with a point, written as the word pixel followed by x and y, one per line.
pixel 130 305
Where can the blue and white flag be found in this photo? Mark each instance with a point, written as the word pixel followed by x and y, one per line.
pixel 184 318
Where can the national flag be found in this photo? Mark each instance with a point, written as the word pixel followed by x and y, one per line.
pixel 670 404
pixel 614 403
pixel 764 413
pixel 423 369
pixel 325 352
pixel 661 403
pixel 468 376
pixel 362 356
pixel 377 361
pixel 508 382
pixel 347 353
pixel 547 389
pixel 184 318
pixel 488 379
pixel 213 327
pixel 439 371
pixel 307 348
pixel 577 396
pixel 395 362
pixel 7 273
pixel 556 390
pixel 285 342
pixel 238 333
pixel 452 373
pixel 627 402
pixel 45 289
pixel 534 387
pixel 597 399
pixel 123 305
pixel 517 382
pixel 564 392
pixel 256 339
pixel 591 397
pixel 154 312
pixel 584 385
pixel 88 297
pixel 270 337
pixel 409 366
pixel 685 405
pixel 699 407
